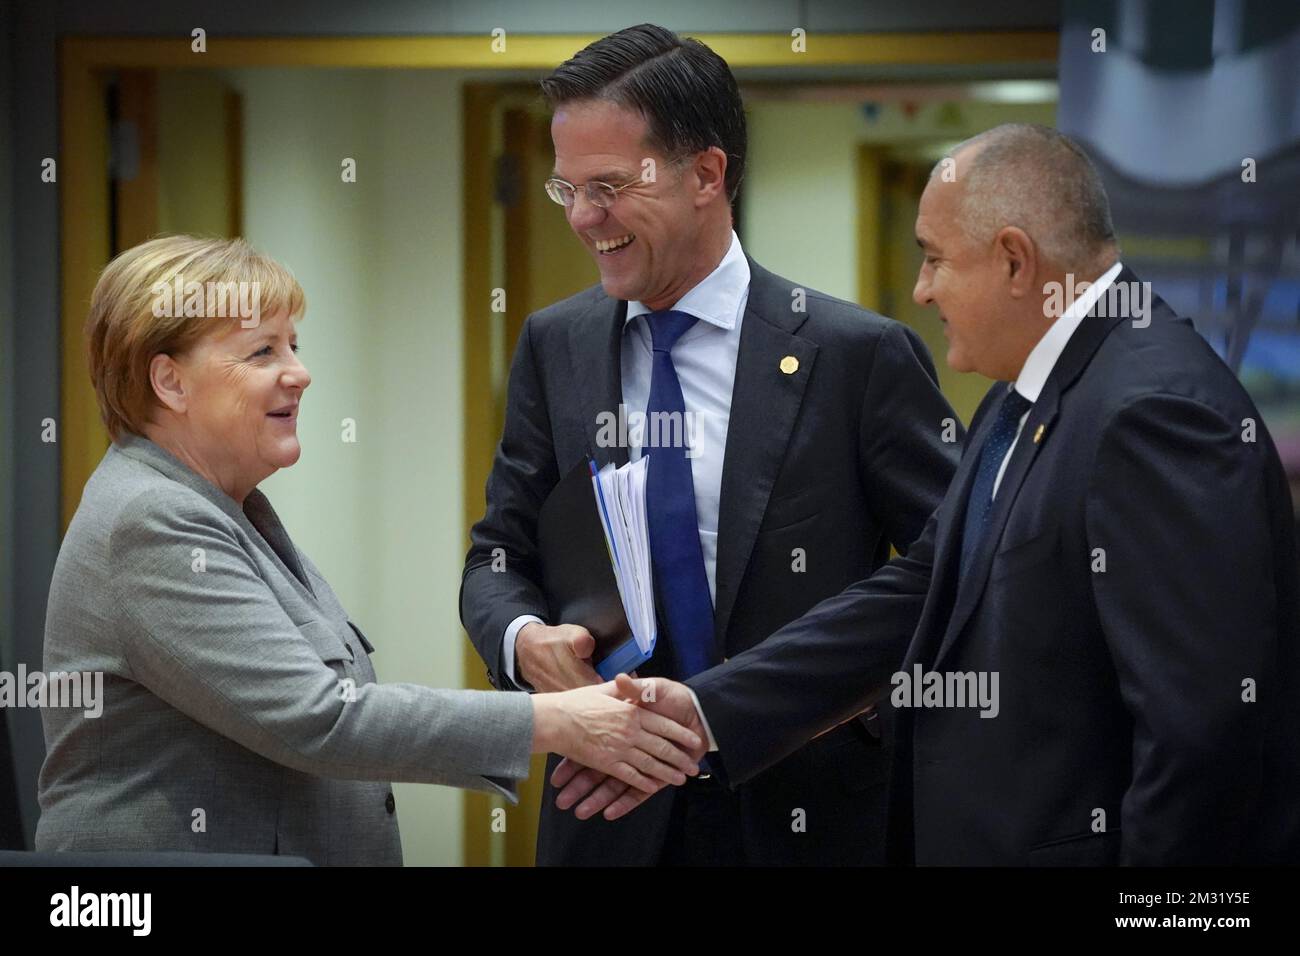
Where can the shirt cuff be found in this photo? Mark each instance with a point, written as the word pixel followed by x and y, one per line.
pixel 508 648
pixel 713 744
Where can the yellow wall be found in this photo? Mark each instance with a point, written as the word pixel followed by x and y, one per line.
pixel 194 172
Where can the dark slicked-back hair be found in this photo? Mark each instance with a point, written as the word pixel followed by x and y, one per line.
pixel 684 90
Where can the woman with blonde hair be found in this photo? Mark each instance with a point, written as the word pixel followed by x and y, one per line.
pixel 237 690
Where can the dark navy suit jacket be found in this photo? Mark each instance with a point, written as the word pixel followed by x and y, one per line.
pixel 1135 591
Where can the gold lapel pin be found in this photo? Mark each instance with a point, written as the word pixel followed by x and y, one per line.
pixel 1038 435
pixel 789 365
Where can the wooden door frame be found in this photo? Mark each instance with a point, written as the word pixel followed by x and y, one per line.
pixel 84 150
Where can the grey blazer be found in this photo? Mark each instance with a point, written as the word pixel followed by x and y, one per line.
pixel 240 709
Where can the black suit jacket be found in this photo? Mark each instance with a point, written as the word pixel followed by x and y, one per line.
pixel 842 458
pixel 1137 581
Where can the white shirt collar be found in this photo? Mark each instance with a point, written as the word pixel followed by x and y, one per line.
pixel 1045 354
pixel 716 299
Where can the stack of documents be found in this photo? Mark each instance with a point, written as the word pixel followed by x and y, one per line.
pixel 620 496
pixel 594 552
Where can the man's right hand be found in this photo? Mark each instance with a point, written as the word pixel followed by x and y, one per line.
pixel 556 658
pixel 591 791
pixel 602 729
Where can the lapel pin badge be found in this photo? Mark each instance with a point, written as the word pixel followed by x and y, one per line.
pixel 789 365
pixel 1038 435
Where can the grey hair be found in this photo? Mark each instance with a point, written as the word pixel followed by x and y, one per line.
pixel 1038 179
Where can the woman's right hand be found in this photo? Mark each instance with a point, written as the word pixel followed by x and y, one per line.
pixel 596 728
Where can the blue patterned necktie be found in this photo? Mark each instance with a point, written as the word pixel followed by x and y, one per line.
pixel 675 553
pixel 1001 435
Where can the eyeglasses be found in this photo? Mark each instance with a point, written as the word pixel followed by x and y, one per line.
pixel 601 195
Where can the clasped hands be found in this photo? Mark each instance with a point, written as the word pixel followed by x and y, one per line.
pixel 614 759
pixel 589 790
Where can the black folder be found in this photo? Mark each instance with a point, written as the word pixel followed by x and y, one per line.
pixel 577 570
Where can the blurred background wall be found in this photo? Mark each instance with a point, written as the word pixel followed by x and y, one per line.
pixel 11 819
pixel 1191 110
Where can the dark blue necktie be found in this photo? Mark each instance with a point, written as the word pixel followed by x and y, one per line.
pixel 1000 437
pixel 675 551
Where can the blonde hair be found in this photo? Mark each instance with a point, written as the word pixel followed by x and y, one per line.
pixel 125 329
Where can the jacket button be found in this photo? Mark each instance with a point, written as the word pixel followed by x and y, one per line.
pixel 390 803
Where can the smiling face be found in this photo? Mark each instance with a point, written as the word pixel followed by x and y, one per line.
pixel 230 403
pixel 659 239
pixel 989 282
pixel 960 276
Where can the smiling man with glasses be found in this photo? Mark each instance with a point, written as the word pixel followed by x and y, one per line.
pixel 821 444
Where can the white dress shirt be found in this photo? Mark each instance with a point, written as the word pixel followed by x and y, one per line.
pixel 705 359
pixel 1042 359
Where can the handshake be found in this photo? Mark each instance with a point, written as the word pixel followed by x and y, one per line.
pixel 623 741
pixel 658 741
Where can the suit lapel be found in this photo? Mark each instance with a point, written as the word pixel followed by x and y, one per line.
pixel 765 403
pixel 596 370
pixel 260 514
pixel 1078 352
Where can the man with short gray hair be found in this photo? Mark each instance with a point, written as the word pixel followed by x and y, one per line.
pixel 1037 178
pixel 1113 561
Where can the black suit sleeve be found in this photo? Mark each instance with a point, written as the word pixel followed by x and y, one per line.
pixel 501 576
pixel 1186 603
pixel 817 671
pixel 905 462
pixel 836 660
